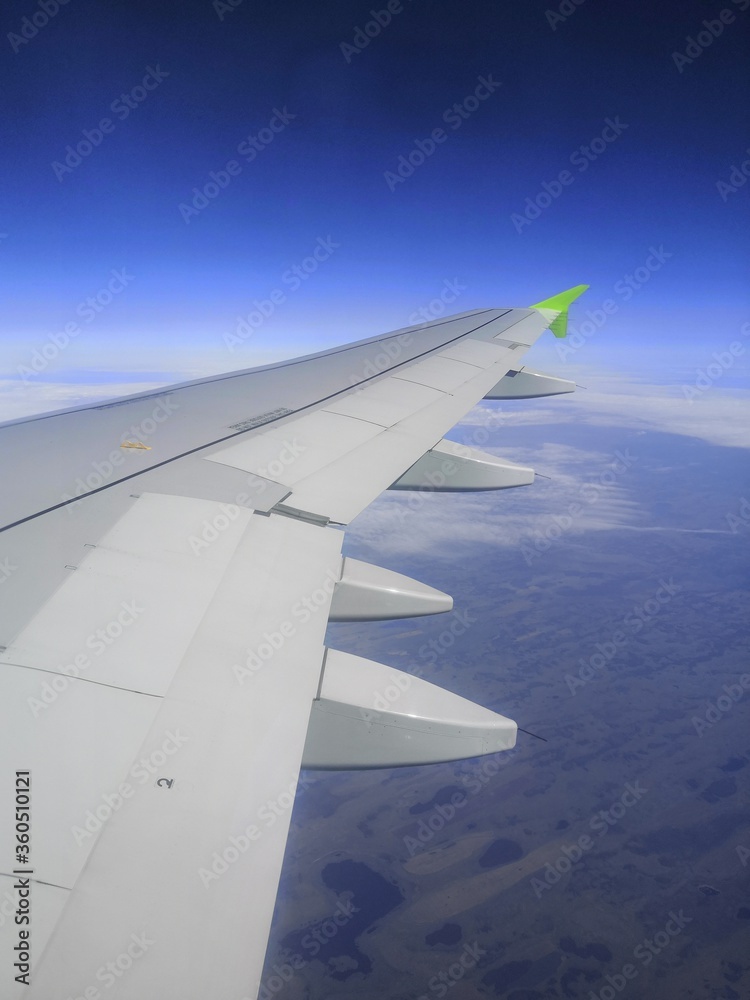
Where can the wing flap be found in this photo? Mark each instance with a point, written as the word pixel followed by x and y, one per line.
pixel 198 849
pixel 125 616
pixel 79 750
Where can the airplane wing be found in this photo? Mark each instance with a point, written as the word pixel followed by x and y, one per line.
pixel 169 562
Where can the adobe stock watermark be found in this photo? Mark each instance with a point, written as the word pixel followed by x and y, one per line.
pixel 8 907
pixel 102 471
pixel 633 622
pixel 741 519
pixel 462 621
pixel 565 10
pixel 292 279
pixel 715 711
pixel 267 816
pixel 140 773
pixel 600 824
pixel 581 159
pixel 441 984
pixel 93 646
pixel 696 45
pixel 7 569
pixel 249 149
pixel 389 352
pixel 444 813
pixel 439 478
pixel 108 975
pixel 387 355
pixel 435 308
pixel 285 969
pixel 738 176
pixel 723 361
pixel 121 107
pixel 302 611
pixel 87 311
pixel 32 24
pixel 454 116
pixel 589 494
pixel 430 652
pixel 623 291
pixel 214 527
pixel 644 954
pixel 364 34
pixel 224 7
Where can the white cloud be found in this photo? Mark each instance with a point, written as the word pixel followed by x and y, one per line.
pixel 18 400
pixel 717 415
pixel 588 491
pixel 608 499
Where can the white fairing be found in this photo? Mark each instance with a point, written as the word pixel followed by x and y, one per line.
pixel 370 593
pixel 371 715
pixel 526 384
pixel 450 467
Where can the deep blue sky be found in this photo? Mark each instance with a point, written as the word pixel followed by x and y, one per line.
pixel 323 175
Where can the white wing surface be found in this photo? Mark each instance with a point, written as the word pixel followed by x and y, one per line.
pixel 169 564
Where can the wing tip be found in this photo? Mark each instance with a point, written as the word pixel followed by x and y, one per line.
pixel 560 303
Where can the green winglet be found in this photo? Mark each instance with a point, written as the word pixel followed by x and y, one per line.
pixel 560 303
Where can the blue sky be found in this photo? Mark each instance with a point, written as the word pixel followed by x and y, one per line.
pixel 165 101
